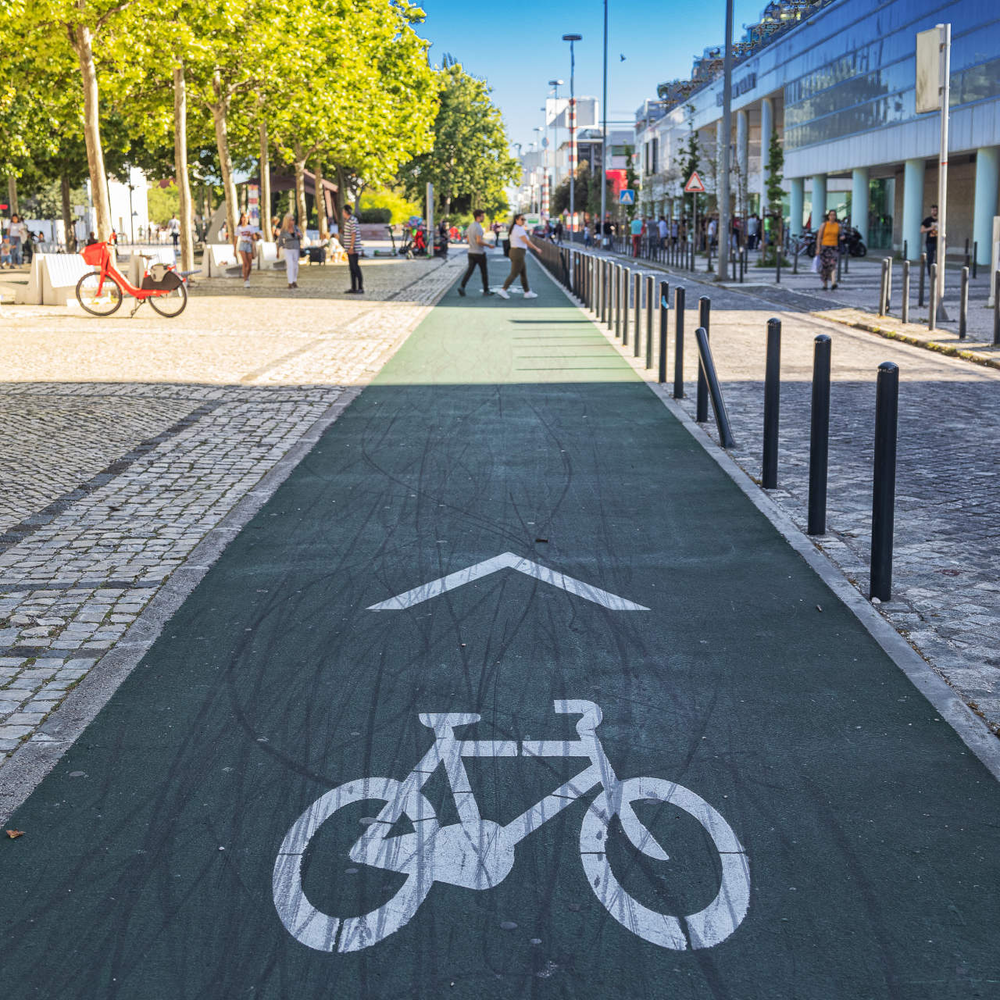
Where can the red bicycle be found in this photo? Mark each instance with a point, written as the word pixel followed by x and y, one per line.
pixel 100 292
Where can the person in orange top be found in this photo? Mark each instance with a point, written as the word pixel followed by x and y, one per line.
pixel 827 242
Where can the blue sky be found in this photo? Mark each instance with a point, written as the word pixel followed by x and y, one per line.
pixel 517 47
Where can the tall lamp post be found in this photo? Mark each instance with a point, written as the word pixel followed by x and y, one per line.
pixel 541 184
pixel 604 132
pixel 725 223
pixel 555 85
pixel 572 39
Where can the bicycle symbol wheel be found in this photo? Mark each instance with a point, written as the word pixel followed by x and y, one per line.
pixel 707 927
pixel 404 854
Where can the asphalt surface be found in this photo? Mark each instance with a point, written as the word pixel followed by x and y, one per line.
pixel 828 835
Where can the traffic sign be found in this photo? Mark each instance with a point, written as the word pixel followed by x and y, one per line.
pixel 694 184
pixel 626 197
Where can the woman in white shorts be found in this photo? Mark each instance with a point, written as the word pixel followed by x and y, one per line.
pixel 246 236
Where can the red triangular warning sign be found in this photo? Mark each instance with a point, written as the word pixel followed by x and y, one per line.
pixel 694 184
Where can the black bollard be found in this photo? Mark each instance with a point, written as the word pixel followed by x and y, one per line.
pixel 701 402
pixel 840 257
pixel 819 436
pixel 884 485
pixel 996 309
pixel 678 344
pixel 963 305
pixel 626 301
pixel 772 397
pixel 637 292
pixel 967 251
pixel 777 263
pixel 906 249
pixel 906 292
pixel 888 285
pixel 920 284
pixel 975 254
pixel 707 365
pixel 932 298
pixel 661 374
pixel 650 289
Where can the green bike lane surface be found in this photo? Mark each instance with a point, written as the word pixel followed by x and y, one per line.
pixel 145 870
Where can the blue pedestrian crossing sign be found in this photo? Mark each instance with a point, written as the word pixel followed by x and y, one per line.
pixel 626 196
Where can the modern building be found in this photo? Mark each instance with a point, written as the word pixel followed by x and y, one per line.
pixel 836 80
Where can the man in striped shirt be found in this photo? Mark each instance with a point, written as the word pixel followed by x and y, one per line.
pixel 350 237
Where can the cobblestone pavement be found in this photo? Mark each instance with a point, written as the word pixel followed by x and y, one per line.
pixel 946 585
pixel 130 440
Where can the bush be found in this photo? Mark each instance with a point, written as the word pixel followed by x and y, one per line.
pixel 388 201
pixel 383 215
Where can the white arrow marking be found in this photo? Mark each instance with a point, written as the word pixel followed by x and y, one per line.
pixel 506 560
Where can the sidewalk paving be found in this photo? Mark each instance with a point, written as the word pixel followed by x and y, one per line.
pixel 828 834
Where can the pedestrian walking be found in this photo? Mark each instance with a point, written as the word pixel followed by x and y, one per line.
pixel 519 244
pixel 17 234
pixel 559 231
pixel 930 227
pixel 5 260
pixel 290 239
pixel 246 237
pixel 674 230
pixel 350 240
pixel 174 228
pixel 477 253
pixel 827 243
pixel 662 230
pixel 635 228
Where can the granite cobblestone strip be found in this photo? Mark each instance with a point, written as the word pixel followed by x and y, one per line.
pixel 78 570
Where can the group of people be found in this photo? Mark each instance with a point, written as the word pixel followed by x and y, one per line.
pixel 518 245
pixel 17 243
pixel 288 236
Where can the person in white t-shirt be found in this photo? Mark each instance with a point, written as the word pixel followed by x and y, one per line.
pixel 246 237
pixel 519 244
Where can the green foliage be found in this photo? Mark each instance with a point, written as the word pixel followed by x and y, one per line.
pixel 587 193
pixel 393 202
pixel 163 203
pixel 688 161
pixel 375 215
pixel 470 157
pixel 631 181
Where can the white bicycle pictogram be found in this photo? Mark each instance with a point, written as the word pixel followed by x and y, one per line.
pixel 478 853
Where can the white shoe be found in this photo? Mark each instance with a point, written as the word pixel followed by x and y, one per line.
pixel 246 284
pixel 531 295
pixel 503 293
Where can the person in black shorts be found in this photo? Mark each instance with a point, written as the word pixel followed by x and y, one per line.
pixel 930 227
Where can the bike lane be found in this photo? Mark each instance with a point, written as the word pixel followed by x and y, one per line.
pixel 794 757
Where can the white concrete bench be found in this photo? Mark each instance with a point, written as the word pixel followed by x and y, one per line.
pixel 221 260
pixel 268 255
pixel 53 278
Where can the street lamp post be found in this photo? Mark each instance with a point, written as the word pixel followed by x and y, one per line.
pixel 555 84
pixel 725 223
pixel 572 39
pixel 541 185
pixel 604 132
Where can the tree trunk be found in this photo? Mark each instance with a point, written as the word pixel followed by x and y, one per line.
pixel 265 177
pixel 324 226
pixel 447 207
pixel 12 208
pixel 81 39
pixel 300 186
pixel 220 110
pixel 338 198
pixel 181 170
pixel 67 215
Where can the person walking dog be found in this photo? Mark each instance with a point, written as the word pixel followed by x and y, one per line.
pixel 477 252
pixel 519 244
pixel 350 238
pixel 290 237
pixel 827 243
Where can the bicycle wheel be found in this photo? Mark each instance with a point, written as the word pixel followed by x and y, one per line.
pixel 172 303
pixel 97 297
pixel 704 929
pixel 407 853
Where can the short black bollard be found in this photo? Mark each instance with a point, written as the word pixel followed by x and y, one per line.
pixel 881 290
pixel 920 284
pixel 650 306
pixel 847 263
pixel 967 251
pixel 906 249
pixel 626 302
pixel 619 275
pixel 678 343
pixel 888 285
pixel 884 485
pixel 975 254
pixel 932 298
pixel 661 374
pixel 905 313
pixel 840 258
pixel 819 436
pixel 996 309
pixel 701 401
pixel 707 365
pixel 963 305
pixel 777 263
pixel 772 399
pixel 795 261
pixel 638 315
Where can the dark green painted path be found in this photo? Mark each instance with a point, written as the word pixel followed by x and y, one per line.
pixel 870 833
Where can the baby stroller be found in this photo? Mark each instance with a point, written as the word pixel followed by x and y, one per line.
pixel 415 243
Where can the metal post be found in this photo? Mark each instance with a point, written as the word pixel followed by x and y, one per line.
pixel 888 285
pixel 609 302
pixel 819 436
pixel 906 292
pixel 881 290
pixel 966 251
pixel 626 290
pixel 637 292
pixel 975 254
pixel 777 263
pixel 996 309
pixel 906 249
pixel 963 307
pixel 661 375
pixel 678 344
pixel 650 288
pixel 701 408
pixel 840 257
pixel 920 285
pixel 707 366
pixel 884 485
pixel 933 298
pixel 942 242
pixel 772 396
